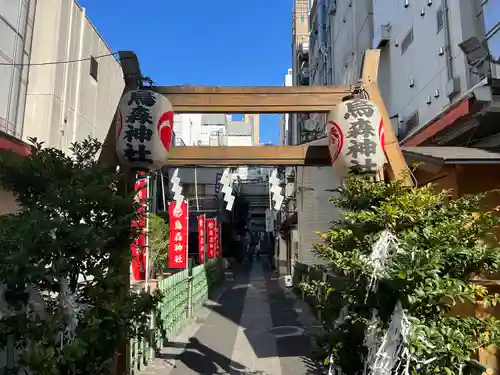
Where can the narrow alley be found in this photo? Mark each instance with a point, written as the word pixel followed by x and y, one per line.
pixel 251 326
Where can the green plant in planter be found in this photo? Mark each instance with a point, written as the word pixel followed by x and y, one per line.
pixel 159 241
pixel 441 243
pixel 64 295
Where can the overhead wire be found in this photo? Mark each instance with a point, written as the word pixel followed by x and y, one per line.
pixel 61 62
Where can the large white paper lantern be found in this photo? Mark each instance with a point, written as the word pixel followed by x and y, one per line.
pixel 356 137
pixel 144 129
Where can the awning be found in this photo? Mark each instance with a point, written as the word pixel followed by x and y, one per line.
pixel 458 121
pixel 450 116
pixel 8 142
pixel 451 155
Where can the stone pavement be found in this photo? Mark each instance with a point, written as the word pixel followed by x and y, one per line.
pixel 253 326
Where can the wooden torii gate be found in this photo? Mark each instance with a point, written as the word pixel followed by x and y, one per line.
pixel 280 99
pixel 288 99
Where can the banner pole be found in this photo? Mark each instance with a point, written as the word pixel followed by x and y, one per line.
pixel 187 235
pixel 204 238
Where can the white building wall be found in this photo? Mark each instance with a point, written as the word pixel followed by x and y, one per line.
pixel 416 78
pixel 187 127
pixel 284 122
pixel 351 27
pixel 239 140
pixel 413 76
pixel 349 34
pixel 16 31
pixel 213 135
pixel 241 172
pixel 65 103
pixel 315 213
pixel 190 131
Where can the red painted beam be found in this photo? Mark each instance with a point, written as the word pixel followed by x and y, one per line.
pixel 448 118
pixel 8 142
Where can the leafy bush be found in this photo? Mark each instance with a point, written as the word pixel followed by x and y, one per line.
pixel 64 295
pixel 159 240
pixel 442 243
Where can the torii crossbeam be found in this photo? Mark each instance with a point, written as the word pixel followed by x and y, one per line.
pixel 286 99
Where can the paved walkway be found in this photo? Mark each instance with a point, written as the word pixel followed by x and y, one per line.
pixel 253 326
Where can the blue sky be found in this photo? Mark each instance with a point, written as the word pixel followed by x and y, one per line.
pixel 216 42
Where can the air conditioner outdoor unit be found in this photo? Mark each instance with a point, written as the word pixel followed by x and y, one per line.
pixel 382 36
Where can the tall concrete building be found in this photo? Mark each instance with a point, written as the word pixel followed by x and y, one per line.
pixel 216 130
pixel 41 94
pixel 16 31
pixel 69 101
pixel 187 130
pixel 423 74
pixel 254 120
pixel 243 132
pixel 284 122
pixel 300 43
pixel 300 58
pixel 317 43
pixel 17 18
pixel 435 94
pixel 306 207
pixel 491 18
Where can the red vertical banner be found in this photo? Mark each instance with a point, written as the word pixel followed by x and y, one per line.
pixel 211 238
pixel 217 240
pixel 201 238
pixel 178 247
pixel 138 247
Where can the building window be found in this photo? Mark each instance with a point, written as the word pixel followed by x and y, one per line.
pixel 490 10
pixel 94 67
pixel 302 19
pixel 494 44
pixel 440 19
pixel 407 41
